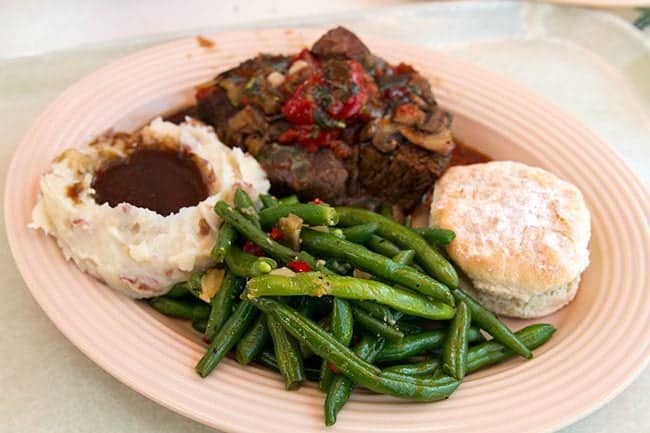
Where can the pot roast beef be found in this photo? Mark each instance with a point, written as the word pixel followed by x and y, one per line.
pixel 334 122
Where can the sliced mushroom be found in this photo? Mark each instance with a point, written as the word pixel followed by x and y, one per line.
pixel 233 90
pixel 368 131
pixel 440 142
pixel 385 138
pixel 248 120
pixel 435 121
pixel 254 144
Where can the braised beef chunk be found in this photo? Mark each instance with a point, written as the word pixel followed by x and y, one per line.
pixel 335 122
pixel 342 43
pixel 215 109
pixel 384 176
pixel 311 174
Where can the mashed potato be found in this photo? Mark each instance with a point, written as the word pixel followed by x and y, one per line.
pixel 132 249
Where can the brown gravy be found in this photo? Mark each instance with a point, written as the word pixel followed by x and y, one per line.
pixel 160 180
pixel 465 155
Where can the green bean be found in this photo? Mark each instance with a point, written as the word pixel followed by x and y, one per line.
pixel 409 328
pixel 376 327
pixel 222 303
pixel 317 284
pixel 341 386
pixel 178 290
pixel 268 201
pixel 339 267
pixel 226 237
pixel 257 236
pixel 387 211
pixel 342 328
pixel 199 325
pixel 492 352
pixel 360 234
pixel 326 324
pixel 432 261
pixel 325 244
pixel 326 376
pixel 287 354
pixel 312 214
pixel 404 257
pixel 247 265
pixel 179 308
pixel 253 342
pixel 483 318
pixel 422 368
pixel 419 344
pixel 342 322
pixel 267 359
pixel 290 199
pixel 382 246
pixel 244 204
pixel 454 351
pixel 439 237
pixel 379 312
pixel 307 306
pixel 193 284
pixel 227 337
pixel 349 364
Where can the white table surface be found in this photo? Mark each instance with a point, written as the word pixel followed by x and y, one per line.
pixel 46 384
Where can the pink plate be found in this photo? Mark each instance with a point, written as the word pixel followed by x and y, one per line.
pixel 603 337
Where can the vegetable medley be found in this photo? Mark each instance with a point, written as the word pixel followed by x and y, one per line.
pixel 342 296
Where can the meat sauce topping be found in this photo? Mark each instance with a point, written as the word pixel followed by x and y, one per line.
pixel 163 181
pixel 334 121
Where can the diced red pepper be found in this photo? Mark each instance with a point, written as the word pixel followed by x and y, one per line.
pixel 299 266
pixel 252 248
pixel 317 201
pixel 276 234
pixel 333 368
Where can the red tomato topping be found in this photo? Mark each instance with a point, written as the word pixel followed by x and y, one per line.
pixel 317 201
pixel 318 108
pixel 353 105
pixel 403 68
pixel 311 137
pixel 252 248
pixel 299 110
pixel 299 266
pixel 406 110
pixel 276 234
